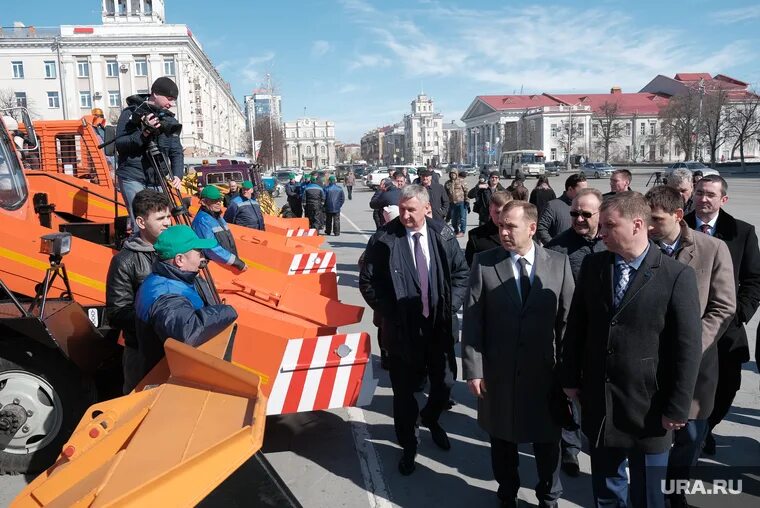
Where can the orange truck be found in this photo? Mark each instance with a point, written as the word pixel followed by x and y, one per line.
pixel 297 360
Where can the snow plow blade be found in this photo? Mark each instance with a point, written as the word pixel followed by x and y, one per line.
pixel 217 415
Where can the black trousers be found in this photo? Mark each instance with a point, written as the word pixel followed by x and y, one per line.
pixel 295 207
pixel 729 382
pixel 333 223
pixel 406 377
pixel 505 461
pixel 350 189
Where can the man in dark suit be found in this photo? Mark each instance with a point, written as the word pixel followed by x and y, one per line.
pixel 708 217
pixel 514 315
pixel 620 181
pixel 439 200
pixel 631 351
pixel 485 237
pixel 717 300
pixel 414 277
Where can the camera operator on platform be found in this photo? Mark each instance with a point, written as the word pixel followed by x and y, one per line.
pixel 142 121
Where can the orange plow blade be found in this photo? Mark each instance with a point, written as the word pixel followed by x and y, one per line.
pixel 123 453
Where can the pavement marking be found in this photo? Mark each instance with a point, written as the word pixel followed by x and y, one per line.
pixel 372 471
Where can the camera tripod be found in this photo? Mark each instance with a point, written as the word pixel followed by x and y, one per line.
pixel 179 211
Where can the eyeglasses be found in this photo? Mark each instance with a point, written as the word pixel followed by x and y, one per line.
pixel 586 215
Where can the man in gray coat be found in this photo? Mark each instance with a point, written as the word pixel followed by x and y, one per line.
pixel 514 318
pixel 556 217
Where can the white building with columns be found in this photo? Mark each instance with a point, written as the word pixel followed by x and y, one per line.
pixel 309 143
pixel 63 72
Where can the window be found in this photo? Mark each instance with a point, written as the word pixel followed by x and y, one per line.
pixel 652 128
pixel 122 7
pixel 112 68
pixel 554 154
pixel 18 70
pixel 554 130
pixel 141 67
pixel 13 191
pixel 308 150
pixel 627 129
pixel 114 100
pixel 293 151
pixel 641 151
pixel 21 99
pixel 580 129
pixel 143 91
pixel 595 130
pixel 50 71
pixel 54 100
pixel 662 150
pixel 85 100
pixel 323 150
pixel 148 6
pixel 83 69
pixel 628 150
pixel 169 67
pixel 643 129
pixel 419 143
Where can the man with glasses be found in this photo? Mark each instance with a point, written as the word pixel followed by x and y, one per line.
pixel 577 242
pixel 134 169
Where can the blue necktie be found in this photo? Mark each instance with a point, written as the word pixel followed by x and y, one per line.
pixel 624 277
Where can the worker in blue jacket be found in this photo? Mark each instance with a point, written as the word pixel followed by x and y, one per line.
pixel 168 304
pixel 313 203
pixel 244 210
pixel 209 223
pixel 334 199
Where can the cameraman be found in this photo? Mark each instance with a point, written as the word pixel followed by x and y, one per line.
pixel 135 171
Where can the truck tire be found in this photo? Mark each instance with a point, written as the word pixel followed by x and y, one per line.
pixel 42 399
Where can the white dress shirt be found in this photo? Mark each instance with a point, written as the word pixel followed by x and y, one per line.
pixel 710 231
pixel 530 258
pixel 423 241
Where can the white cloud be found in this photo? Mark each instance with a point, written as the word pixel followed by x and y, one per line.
pixel 320 48
pixel 250 68
pixel 737 15
pixel 348 88
pixel 369 60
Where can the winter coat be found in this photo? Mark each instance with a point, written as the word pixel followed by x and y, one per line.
pixel 350 179
pixel 481 239
pixel 482 197
pixel 380 200
pixel 133 161
pixel 514 346
pixel 519 192
pixel 575 247
pixel 313 197
pixel 127 271
pixel 168 305
pixel 389 284
pixel 541 198
pixel 555 219
pixel 456 190
pixel 334 198
pixel 439 201
pixel 245 212
pixel 207 224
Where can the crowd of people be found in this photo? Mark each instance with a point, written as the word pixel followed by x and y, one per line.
pixel 617 316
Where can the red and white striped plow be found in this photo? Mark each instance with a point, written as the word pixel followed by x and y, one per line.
pixel 325 372
pixel 301 232
pixel 314 262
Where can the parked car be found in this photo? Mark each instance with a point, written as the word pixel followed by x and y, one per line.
pixel 553 167
pixel 597 170
pixel 373 179
pixel 692 166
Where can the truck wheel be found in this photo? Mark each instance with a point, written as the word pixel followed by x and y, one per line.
pixel 42 398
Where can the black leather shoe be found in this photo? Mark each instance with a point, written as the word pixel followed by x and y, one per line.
pixel 509 502
pixel 451 403
pixel 677 501
pixel 440 438
pixel 406 465
pixel 570 467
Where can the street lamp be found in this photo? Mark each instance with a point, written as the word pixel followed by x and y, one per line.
pixel 56 46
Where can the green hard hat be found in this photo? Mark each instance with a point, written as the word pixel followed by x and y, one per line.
pixel 211 192
pixel 180 239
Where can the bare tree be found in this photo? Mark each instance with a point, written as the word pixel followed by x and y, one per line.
pixel 744 123
pixel 269 144
pixel 610 128
pixel 567 134
pixel 680 118
pixel 714 126
pixel 9 100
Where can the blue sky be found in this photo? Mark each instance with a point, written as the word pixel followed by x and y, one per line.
pixel 361 62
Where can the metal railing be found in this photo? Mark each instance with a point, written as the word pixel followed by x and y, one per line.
pixel 29 32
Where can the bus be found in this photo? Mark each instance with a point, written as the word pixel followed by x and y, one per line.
pixel 522 162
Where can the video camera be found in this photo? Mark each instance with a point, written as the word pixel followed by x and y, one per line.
pixel 168 123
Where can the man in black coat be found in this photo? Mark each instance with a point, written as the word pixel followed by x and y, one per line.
pixel 486 237
pixel 556 217
pixel 388 194
pixel 631 351
pixel 127 271
pixel 439 200
pixel 733 349
pixel 414 277
pixel 482 196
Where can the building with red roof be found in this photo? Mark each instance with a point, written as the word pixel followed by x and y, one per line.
pixel 562 125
